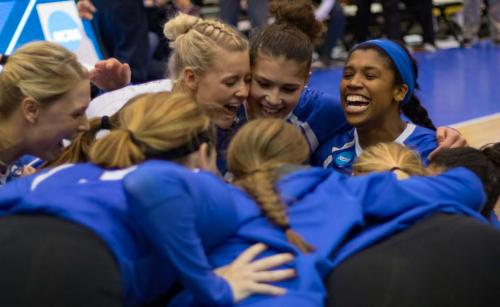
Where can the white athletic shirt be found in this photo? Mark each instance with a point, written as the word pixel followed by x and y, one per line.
pixel 109 103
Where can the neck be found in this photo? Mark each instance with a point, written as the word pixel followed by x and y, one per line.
pixel 388 132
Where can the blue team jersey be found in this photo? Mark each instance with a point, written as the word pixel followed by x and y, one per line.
pixel 92 197
pixel 341 150
pixel 319 116
pixel 15 169
pixel 324 207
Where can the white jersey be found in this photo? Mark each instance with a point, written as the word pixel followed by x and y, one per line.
pixel 109 103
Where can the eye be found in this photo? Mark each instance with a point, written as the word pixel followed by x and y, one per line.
pixel 263 84
pixel 347 74
pixel 289 90
pixel 230 83
pixel 370 76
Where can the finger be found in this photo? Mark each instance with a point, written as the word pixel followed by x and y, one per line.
pixel 272 276
pixel 266 289
pixel 271 262
pixel 250 253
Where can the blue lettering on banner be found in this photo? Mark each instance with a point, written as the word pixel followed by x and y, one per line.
pixel 64 30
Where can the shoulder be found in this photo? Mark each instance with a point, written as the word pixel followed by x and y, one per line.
pixel 423 140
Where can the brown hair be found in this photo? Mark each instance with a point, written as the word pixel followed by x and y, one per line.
pixel 44 71
pixel 484 162
pixel 292 36
pixel 389 156
pixel 256 151
pixel 152 125
pixel 195 41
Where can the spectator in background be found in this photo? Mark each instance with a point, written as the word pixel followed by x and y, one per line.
pixel 257 12
pixel 392 18
pixel 123 28
pixel 332 12
pixel 472 20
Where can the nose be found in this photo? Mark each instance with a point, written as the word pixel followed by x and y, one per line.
pixel 243 90
pixel 84 124
pixel 273 98
pixel 355 81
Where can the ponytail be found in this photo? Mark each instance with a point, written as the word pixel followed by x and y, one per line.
pixel 260 185
pixel 119 149
pixel 257 149
pixel 417 114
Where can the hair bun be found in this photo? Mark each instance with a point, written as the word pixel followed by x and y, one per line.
pixel 179 25
pixel 298 13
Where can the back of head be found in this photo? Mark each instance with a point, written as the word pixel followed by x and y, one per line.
pixel 195 41
pixel 292 36
pixel 389 157
pixel 154 126
pixel 256 151
pixel 484 162
pixel 44 71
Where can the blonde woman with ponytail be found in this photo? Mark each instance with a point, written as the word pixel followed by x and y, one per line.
pixel 210 63
pixel 311 212
pixel 118 241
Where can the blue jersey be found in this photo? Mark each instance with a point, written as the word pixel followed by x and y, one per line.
pixel 319 202
pixel 95 198
pixel 341 150
pixel 319 116
pixel 15 169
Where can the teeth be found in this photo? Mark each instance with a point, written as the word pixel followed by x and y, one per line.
pixel 357 98
pixel 270 111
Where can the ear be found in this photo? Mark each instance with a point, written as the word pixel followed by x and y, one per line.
pixel 400 92
pixel 190 79
pixel 30 109
pixel 207 158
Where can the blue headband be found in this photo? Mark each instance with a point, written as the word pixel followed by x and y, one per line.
pixel 402 61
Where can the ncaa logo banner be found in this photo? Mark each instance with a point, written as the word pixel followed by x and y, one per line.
pixel 61 24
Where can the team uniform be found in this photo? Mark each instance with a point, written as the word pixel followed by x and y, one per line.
pixel 341 151
pixel 319 202
pixel 15 169
pixel 94 198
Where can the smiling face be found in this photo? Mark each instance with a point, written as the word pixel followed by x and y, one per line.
pixel 277 84
pixel 62 119
pixel 223 88
pixel 370 97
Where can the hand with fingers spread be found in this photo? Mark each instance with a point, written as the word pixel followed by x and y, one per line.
pixel 246 277
pixel 110 74
pixel 448 138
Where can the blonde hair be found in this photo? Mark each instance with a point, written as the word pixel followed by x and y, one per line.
pixel 256 151
pixel 79 149
pixel 153 124
pixel 389 156
pixel 195 42
pixel 44 71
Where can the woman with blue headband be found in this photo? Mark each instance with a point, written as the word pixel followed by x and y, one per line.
pixel 378 83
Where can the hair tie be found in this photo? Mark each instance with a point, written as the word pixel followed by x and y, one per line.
pixel 396 168
pixel 3 59
pixel 105 123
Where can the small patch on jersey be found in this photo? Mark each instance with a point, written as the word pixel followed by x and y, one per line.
pixel 344 158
